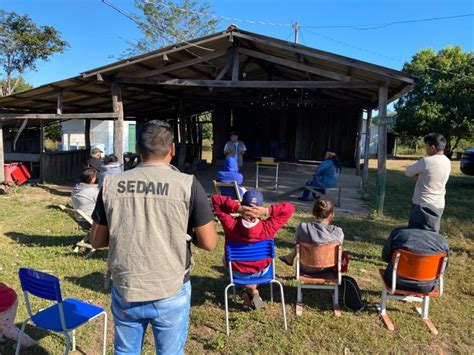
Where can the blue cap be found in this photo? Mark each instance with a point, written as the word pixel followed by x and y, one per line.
pixel 252 197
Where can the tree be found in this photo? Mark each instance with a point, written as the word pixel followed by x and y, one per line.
pixel 442 98
pixel 22 44
pixel 22 85
pixel 166 22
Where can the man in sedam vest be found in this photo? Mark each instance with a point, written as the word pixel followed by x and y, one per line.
pixel 148 216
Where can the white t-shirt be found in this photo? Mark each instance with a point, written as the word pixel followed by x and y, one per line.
pixel 433 174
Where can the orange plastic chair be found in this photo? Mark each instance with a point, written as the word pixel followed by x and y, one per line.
pixel 319 257
pixel 416 267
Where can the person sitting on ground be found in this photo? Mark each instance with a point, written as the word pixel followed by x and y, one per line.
pixel 250 228
pixel 319 232
pixel 95 161
pixel 231 174
pixel 111 166
pixel 326 175
pixel 84 194
pixel 419 237
pixel 8 307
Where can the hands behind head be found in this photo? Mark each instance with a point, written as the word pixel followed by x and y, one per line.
pixel 252 211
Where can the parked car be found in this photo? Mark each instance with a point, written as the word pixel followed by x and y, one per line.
pixel 467 161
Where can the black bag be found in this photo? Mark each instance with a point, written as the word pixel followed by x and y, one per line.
pixel 350 295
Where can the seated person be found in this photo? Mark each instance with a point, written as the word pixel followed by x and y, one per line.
pixel 419 237
pixel 8 307
pixel 111 166
pixel 84 194
pixel 249 228
pixel 95 160
pixel 319 232
pixel 326 175
pixel 230 174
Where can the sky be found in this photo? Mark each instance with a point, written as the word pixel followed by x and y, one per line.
pixel 96 33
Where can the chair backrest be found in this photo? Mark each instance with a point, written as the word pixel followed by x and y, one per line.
pixel 250 252
pixel 77 215
pixel 40 284
pixel 319 256
pixel 230 189
pixel 418 266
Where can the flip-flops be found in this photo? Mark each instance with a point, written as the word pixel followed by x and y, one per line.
pixel 255 301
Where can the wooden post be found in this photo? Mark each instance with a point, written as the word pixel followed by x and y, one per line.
pixel 87 135
pixel 182 134
pixel 59 107
pixel 382 149
pixel 358 144
pixel 41 146
pixel 365 173
pixel 2 177
pixel 117 105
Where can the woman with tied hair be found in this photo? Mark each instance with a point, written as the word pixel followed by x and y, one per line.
pixel 318 232
pixel 325 176
pixel 111 166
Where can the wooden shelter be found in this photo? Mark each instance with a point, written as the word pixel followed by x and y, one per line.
pixel 305 99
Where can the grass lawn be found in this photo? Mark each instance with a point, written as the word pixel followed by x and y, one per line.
pixel 34 235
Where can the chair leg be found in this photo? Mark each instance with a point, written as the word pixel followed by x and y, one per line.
pixel 20 336
pixel 271 292
pixel 74 340
pixel 282 302
pixel 226 301
pixel 234 294
pixel 383 311
pixel 104 340
pixel 68 343
pixel 337 309
pixel 424 315
pixel 299 301
pixel 339 198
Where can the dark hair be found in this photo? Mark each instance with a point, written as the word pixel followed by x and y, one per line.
pixel 323 207
pixel 335 160
pixel 155 138
pixel 110 159
pixel 88 175
pixel 435 139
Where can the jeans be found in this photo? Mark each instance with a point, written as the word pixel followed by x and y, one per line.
pixel 168 317
pixel 313 183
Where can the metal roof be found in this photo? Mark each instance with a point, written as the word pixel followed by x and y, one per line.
pixel 154 82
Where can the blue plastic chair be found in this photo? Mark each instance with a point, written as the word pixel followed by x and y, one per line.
pixel 252 252
pixel 64 316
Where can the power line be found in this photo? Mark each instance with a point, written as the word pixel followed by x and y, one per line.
pixel 367 27
pixel 379 54
pixel 253 22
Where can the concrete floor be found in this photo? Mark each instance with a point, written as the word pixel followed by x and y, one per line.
pixel 291 184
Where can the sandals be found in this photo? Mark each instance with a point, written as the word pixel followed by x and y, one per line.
pixel 251 301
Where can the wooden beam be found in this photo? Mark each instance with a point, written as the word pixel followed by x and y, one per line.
pixel 382 149
pixel 41 146
pixel 159 53
pixel 294 65
pixel 180 65
pixel 24 157
pixel 227 65
pixel 327 56
pixel 117 105
pixel 182 134
pixel 254 84
pixel 365 173
pixel 87 135
pixel 2 161
pixel 54 116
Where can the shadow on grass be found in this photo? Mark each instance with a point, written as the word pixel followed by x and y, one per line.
pixel 35 333
pixel 43 240
pixel 208 289
pixel 93 281
pixel 65 192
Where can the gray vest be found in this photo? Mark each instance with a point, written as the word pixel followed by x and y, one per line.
pixel 147 212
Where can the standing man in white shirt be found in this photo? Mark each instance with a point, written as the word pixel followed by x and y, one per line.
pixel 432 174
pixel 235 148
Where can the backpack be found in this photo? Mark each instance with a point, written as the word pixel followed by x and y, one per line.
pixel 350 295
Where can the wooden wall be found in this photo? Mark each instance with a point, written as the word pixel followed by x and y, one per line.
pixel 63 166
pixel 302 134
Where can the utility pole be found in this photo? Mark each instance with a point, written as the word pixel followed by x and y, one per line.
pixel 296 27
